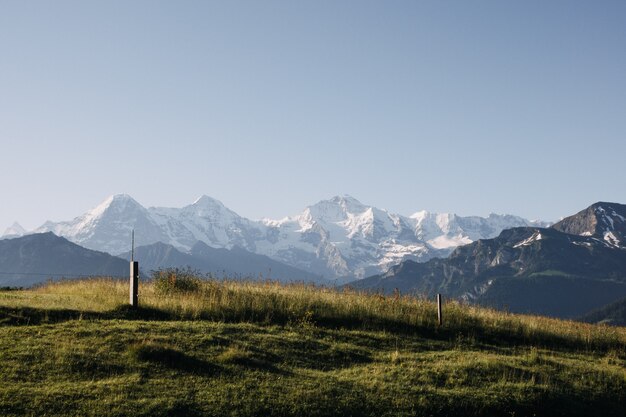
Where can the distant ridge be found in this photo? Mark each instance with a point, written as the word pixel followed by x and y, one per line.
pixel 231 263
pixel 613 314
pixel 36 258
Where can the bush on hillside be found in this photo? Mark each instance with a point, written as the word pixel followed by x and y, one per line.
pixel 176 280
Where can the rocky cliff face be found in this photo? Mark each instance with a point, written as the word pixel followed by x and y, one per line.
pixel 605 221
pixel 570 272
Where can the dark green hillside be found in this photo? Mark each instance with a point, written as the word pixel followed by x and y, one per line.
pixel 614 314
pixel 244 349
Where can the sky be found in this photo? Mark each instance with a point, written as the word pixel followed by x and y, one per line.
pixel 270 106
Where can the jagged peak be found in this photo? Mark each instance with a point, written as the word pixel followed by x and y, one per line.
pixel 206 206
pixel 118 198
pixel 204 200
pixel 345 199
pixel 344 203
pixel 115 200
pixel 15 229
pixel 602 220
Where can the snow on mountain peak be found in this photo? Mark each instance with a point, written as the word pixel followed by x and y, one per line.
pixel 107 227
pixel 334 210
pixel 609 217
pixel 347 202
pixel 205 200
pixel 115 205
pixel 15 230
pixel 101 208
pixel 117 201
pixel 335 237
pixel 419 215
pixel 210 208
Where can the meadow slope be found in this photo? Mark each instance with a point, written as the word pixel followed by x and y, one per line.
pixel 214 348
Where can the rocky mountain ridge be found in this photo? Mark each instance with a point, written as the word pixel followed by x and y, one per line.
pixel 566 270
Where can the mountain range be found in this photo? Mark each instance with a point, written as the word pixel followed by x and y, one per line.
pixel 573 267
pixel 38 257
pixel 335 238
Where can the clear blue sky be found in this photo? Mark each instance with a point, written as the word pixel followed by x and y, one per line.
pixel 464 106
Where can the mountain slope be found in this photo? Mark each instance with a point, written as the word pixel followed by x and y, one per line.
pixel 209 221
pixel 35 258
pixel 534 270
pixel 360 240
pixel 605 221
pixel 339 237
pixel 108 226
pixel 235 262
pixel 259 349
pixel 614 314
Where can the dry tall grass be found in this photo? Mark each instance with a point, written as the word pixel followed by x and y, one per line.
pixel 274 303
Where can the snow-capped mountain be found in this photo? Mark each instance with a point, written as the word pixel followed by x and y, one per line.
pixel 206 220
pixel 108 226
pixel 339 237
pixel 15 230
pixel 360 240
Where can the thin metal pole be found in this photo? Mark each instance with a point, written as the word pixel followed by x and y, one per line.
pixel 132 246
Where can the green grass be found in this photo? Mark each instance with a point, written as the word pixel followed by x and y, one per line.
pixel 262 349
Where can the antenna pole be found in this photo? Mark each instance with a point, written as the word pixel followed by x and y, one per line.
pixel 134 275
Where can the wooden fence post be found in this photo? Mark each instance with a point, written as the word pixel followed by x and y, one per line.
pixel 439 312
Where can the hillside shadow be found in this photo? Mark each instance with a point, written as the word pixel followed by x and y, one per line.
pixel 20 316
pixel 472 329
pixel 472 332
pixel 128 312
pixel 172 358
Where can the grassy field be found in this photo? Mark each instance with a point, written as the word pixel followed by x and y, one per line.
pixel 262 349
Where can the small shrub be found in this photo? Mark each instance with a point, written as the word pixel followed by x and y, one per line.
pixel 176 280
pixel 307 320
pixel 394 357
pixel 533 357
